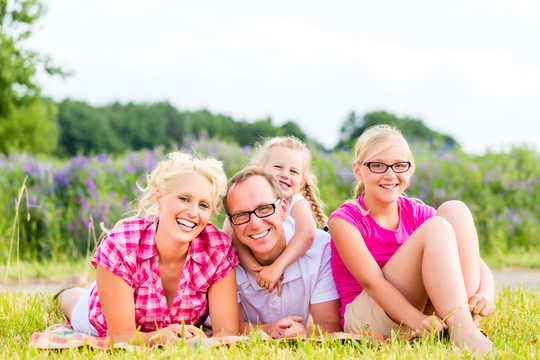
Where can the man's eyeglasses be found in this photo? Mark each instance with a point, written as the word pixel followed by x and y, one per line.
pixel 380 168
pixel 260 212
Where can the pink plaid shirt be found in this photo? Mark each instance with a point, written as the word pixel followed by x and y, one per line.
pixel 130 252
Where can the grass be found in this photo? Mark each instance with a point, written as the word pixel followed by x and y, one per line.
pixel 46 271
pixel 513 258
pixel 514 329
pixel 57 270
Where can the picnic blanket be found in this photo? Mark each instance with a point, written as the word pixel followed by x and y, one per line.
pixel 62 336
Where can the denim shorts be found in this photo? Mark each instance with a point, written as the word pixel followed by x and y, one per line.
pixel 79 316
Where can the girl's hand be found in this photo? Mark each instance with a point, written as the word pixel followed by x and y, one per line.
pixel 428 325
pixel 269 277
pixel 481 304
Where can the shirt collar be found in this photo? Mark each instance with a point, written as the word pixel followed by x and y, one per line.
pixel 147 243
pixel 196 250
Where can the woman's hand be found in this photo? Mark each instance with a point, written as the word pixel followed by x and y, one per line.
pixel 428 325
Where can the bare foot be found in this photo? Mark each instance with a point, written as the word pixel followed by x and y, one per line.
pixel 477 342
pixel 476 319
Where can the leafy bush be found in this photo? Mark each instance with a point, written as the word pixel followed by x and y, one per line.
pixel 66 200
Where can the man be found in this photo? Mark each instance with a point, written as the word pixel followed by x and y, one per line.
pixel 257 216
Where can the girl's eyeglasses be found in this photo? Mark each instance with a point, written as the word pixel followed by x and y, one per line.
pixel 380 168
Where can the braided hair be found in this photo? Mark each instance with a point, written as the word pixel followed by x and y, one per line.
pixel 309 190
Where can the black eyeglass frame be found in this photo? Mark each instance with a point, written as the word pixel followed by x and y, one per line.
pixel 274 205
pixel 368 164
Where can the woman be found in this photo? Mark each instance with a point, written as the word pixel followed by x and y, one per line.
pixel 160 271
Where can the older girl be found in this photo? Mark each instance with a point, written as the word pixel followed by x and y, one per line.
pixel 160 271
pixel 402 265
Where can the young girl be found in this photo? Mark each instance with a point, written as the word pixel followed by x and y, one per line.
pixel 163 267
pixel 399 264
pixel 289 160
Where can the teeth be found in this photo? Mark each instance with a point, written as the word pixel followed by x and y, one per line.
pixel 284 184
pixel 258 236
pixel 388 186
pixel 189 224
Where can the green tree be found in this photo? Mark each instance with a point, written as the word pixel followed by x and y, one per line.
pixel 292 128
pixel 412 129
pixel 36 130
pixel 85 130
pixel 349 130
pixel 19 91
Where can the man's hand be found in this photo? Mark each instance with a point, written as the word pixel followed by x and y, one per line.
pixel 288 328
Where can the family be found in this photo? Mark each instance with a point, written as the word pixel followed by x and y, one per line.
pixel 386 263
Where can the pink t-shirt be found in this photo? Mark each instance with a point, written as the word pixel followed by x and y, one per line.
pixel 130 252
pixel 381 242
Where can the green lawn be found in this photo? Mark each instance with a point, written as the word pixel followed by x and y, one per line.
pixel 514 329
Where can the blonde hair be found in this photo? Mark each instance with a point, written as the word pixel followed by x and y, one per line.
pixel 166 175
pixel 369 138
pixel 309 190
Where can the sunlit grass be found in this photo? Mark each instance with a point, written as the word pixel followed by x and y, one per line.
pixel 514 329
pixel 55 271
pixel 513 258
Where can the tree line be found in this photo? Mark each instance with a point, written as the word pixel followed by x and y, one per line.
pixel 115 128
pixel 70 128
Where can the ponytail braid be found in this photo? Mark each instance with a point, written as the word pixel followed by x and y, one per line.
pixel 316 206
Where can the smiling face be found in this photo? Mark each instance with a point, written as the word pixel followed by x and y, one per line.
pixel 185 210
pixel 265 237
pixel 388 186
pixel 287 166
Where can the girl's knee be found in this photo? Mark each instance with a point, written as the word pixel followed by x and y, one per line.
pixel 438 223
pixel 453 208
pixel 438 228
pixel 68 299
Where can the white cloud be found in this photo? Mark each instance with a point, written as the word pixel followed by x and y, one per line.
pixel 521 9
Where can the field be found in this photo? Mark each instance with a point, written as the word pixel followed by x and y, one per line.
pixel 50 209
pixel 513 328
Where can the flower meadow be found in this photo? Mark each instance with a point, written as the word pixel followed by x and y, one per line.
pixel 52 208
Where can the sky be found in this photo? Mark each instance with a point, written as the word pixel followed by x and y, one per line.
pixel 467 68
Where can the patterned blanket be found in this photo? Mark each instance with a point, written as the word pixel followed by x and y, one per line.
pixel 63 337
